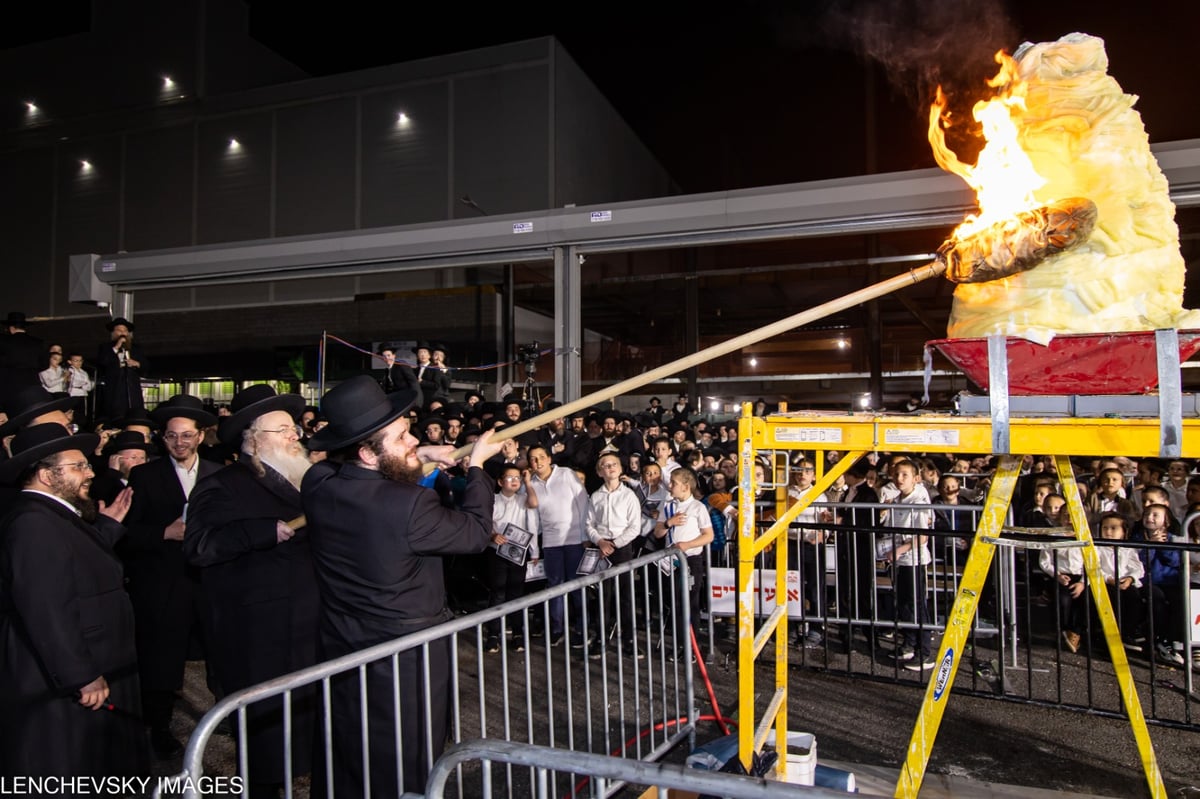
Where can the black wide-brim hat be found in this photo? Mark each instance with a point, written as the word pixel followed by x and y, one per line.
pixel 128 439
pixel 251 403
pixel 423 425
pixel 30 403
pixel 120 320
pixel 356 409
pixel 183 406
pixel 34 443
pixel 15 319
pixel 136 417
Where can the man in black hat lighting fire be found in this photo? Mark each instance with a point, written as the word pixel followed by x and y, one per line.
pixel 376 537
pixel 69 670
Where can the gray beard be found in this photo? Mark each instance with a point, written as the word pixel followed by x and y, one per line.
pixel 290 467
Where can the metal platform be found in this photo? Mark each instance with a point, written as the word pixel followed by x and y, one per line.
pixel 1103 405
pixel 1136 437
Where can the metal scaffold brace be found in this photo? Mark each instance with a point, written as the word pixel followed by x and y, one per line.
pixel 990 534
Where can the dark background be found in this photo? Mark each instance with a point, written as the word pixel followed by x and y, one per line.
pixel 748 93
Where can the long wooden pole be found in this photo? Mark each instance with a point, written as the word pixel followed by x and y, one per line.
pixel 912 277
pixel 909 278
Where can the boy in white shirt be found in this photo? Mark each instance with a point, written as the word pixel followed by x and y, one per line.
pixel 614 523
pixel 909 555
pixel 515 504
pixel 685 524
pixel 1123 572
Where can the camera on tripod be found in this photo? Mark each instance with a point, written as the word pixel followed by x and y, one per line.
pixel 528 355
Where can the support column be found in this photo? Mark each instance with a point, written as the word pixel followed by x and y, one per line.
pixel 568 326
pixel 122 304
pixel 691 325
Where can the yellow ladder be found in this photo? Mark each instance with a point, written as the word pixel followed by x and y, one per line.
pixel 958 626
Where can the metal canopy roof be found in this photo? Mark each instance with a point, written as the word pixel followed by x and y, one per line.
pixel 858 205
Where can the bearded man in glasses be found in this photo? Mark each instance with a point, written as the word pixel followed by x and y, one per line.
pixel 66 626
pixel 163 588
pixel 257 576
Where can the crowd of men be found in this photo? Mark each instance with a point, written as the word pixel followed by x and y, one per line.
pixel 274 536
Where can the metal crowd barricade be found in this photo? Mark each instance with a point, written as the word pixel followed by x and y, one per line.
pixel 589 693
pixel 1016 645
pixel 609 772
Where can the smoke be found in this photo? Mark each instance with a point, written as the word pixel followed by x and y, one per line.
pixel 923 44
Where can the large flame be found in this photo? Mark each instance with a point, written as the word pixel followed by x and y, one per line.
pixel 1057 114
pixel 1004 179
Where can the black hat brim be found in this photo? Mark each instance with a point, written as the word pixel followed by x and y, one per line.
pixel 334 436
pixel 231 427
pixel 12 468
pixel 22 419
pixel 112 449
pixel 162 415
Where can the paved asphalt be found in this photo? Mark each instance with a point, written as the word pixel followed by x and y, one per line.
pixel 866 723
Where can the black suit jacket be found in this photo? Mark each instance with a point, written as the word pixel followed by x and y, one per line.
pixel 376 543
pixel 22 356
pixel 434 382
pixel 260 596
pixel 118 388
pixel 106 485
pixel 64 621
pixel 399 377
pixel 161 585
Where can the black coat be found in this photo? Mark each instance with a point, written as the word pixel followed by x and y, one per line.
pixel 434 382
pixel 162 586
pixel 22 356
pixel 399 377
pixel 106 484
pixel 376 545
pixel 118 388
pixel 64 621
pixel 261 600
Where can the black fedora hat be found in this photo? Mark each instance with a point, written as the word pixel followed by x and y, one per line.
pixel 128 439
pixel 251 403
pixel 356 409
pixel 183 406
pixel 34 443
pixel 15 319
pixel 120 320
pixel 432 418
pixel 136 417
pixel 29 403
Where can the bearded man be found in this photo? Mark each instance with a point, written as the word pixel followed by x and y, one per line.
pixel 259 588
pixel 70 701
pixel 376 540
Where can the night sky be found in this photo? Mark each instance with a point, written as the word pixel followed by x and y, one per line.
pixel 756 93
pixel 763 93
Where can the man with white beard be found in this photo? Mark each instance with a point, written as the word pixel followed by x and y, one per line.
pixel 260 589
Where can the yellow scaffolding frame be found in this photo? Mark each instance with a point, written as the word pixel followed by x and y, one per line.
pixel 855 434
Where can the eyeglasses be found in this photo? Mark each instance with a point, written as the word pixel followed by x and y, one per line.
pixel 186 437
pixel 297 429
pixel 79 466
